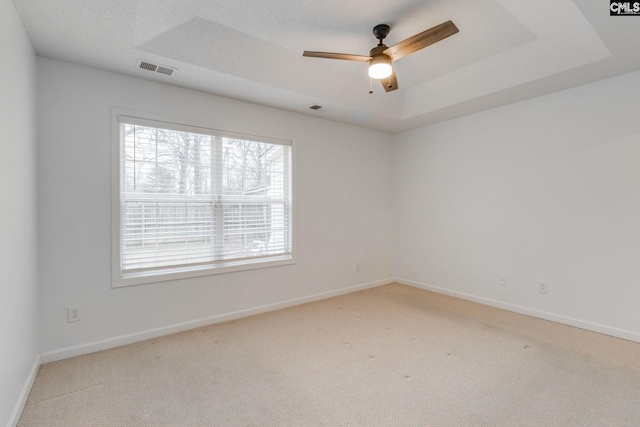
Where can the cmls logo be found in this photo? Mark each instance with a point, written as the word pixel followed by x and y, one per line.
pixel 617 8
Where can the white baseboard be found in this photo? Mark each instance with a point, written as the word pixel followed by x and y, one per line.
pixel 72 351
pixel 24 394
pixel 78 350
pixel 565 320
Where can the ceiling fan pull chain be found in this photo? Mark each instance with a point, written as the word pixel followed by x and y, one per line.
pixel 370 85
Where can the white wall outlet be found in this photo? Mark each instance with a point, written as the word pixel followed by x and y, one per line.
pixel 543 287
pixel 73 313
pixel 502 280
pixel 358 268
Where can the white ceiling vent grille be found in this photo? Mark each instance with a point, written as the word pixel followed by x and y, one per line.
pixel 149 66
pixel 165 70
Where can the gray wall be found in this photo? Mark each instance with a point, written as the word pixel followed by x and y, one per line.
pixel 18 285
pixel 541 190
pixel 343 207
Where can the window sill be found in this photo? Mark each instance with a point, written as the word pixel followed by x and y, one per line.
pixel 132 279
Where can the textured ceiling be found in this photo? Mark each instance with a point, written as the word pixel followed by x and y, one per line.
pixel 506 50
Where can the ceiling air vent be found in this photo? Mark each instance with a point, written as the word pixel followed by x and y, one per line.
pixel 165 70
pixel 149 66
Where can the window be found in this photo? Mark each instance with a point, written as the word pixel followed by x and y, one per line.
pixel 194 201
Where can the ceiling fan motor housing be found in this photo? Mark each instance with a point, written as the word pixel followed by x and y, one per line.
pixel 378 50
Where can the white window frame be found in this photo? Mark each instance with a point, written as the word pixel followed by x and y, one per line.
pixel 118 279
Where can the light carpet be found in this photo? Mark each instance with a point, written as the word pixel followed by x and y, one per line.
pixel 388 356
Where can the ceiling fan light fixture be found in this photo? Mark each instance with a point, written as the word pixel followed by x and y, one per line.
pixel 380 67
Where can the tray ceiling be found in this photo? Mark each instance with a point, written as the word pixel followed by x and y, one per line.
pixel 506 50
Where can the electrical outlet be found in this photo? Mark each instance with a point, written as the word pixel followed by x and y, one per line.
pixel 543 287
pixel 73 313
pixel 502 280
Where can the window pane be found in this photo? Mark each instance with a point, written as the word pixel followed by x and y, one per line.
pixel 191 199
pixel 255 229
pixel 166 234
pixel 166 162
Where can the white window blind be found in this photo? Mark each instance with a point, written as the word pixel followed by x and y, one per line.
pixel 194 198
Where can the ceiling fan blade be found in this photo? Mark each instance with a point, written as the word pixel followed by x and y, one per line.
pixel 421 40
pixel 390 83
pixel 331 55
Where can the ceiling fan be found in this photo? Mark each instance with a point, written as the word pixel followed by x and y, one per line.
pixel 381 56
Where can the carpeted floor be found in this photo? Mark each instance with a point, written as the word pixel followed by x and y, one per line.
pixel 388 356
